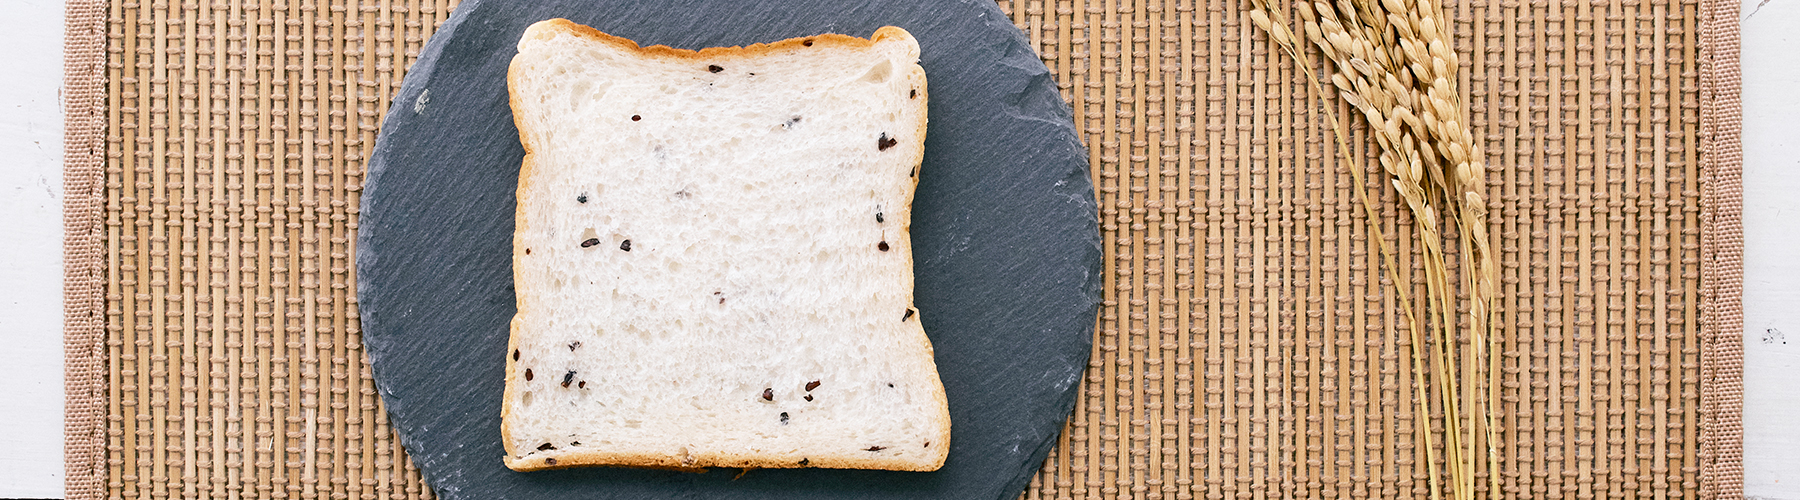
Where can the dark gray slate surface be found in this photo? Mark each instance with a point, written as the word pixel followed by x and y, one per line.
pixel 1007 248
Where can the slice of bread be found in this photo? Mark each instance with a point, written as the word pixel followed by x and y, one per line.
pixel 712 260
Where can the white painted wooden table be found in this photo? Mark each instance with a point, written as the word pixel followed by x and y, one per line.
pixel 31 249
pixel 1771 63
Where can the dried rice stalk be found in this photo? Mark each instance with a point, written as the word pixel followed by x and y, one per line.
pixel 1395 65
pixel 1272 22
pixel 1422 40
pixel 1434 64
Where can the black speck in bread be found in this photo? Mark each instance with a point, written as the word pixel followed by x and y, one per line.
pixel 790 123
pixel 546 447
pixel 714 68
pixel 784 418
pixel 573 345
pixel 809 397
pixel 877 448
pixel 812 385
pixel 549 461
pixel 879 219
pixel 883 246
pixel 915 94
pixel 890 384
pixel 527 251
pixel 636 117
pixel 807 43
pixel 884 142
pixel 768 394
pixel 581 385
pixel 590 242
pixel 581 198
pixel 908 315
pixel 927 444
pixel 528 374
pixel 915 172
pixel 803 461
pixel 515 354
pixel 626 245
pixel 568 378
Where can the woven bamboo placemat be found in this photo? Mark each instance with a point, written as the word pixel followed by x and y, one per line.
pixel 1245 347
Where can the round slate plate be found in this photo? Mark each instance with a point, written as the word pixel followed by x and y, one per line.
pixel 1007 258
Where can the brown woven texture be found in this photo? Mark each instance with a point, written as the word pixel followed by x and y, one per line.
pixel 1248 346
pixel 235 138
